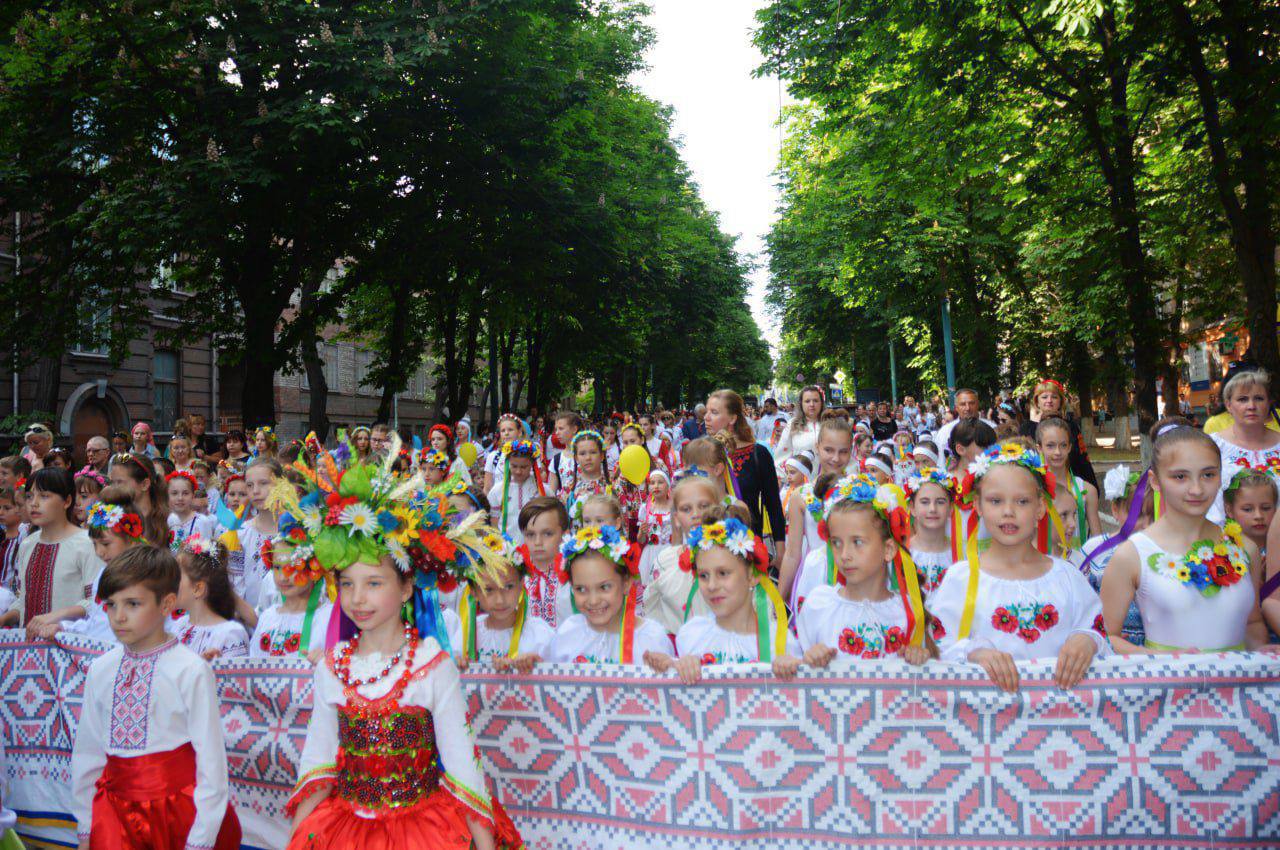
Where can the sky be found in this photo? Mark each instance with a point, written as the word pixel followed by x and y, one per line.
pixel 727 120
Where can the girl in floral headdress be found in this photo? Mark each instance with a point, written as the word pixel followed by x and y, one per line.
pixel 871 606
pixel 930 493
pixel 389 761
pixel 509 428
pixel 601 567
pixel 496 624
pixel 748 620
pixel 520 483
pixel 440 438
pixel 1013 602
pixel 265 442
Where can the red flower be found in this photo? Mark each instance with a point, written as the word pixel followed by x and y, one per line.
pixel 292 642
pixel 1047 617
pixel 935 627
pixel 1030 635
pixel 1099 626
pixel 440 547
pixel 1004 621
pixel 336 503
pixel 130 525
pixel 708 658
pixel 851 642
pixel 894 640
pixel 265 642
pixel 581 659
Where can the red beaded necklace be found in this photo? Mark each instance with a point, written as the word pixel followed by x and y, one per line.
pixel 342 667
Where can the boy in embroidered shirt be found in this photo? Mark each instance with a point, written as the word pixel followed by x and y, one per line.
pixel 543 522
pixel 150 721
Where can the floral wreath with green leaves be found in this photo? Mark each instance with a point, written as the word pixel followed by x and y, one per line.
pixel 611 544
pixel 930 475
pixel 435 458
pixel 113 518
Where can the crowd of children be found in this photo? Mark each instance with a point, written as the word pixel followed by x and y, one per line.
pixel 631 542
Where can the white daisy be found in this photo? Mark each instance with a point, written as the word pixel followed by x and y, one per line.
pixel 738 545
pixel 357 517
pixel 979 466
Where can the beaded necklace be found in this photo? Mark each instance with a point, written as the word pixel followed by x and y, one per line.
pixel 342 667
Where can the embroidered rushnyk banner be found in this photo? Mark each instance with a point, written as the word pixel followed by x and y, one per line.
pixel 1179 752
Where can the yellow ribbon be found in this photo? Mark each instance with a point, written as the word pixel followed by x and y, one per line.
pixel 913 596
pixel 469 622
pixel 780 613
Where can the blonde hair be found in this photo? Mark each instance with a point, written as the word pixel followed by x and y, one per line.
pixel 1241 381
pixel 607 501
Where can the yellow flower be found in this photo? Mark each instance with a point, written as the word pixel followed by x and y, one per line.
pixel 1239 568
pixel 588 533
pixel 1220 549
pixel 1183 573
pixel 1011 450
pixel 404 532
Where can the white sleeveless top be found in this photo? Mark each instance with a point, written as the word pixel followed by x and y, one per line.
pixel 1234 459
pixel 1177 615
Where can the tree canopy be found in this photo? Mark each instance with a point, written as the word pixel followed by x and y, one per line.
pixel 482 173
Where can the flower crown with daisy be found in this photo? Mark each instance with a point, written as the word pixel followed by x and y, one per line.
pixel 1002 454
pixel 522 448
pixel 436 458
pixel 114 518
pixel 201 546
pixel 586 434
pixel 603 540
pixel 930 475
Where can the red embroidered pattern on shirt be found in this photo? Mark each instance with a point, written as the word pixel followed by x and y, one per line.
pixel 738 457
pixel 39 580
pixel 131 700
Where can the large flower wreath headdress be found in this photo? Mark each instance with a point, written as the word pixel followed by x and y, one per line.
pixel 734 535
pixel 890 502
pixel 366 510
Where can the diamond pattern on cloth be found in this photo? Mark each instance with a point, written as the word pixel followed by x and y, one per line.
pixel 39 580
pixel 132 701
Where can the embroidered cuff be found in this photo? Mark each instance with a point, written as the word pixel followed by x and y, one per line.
pixel 477 803
pixel 314 780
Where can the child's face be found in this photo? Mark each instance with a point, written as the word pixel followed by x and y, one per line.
pixel 499 596
pixel 659 490
pixel 1253 508
pixel 234 446
pixel 508 430
pixel 834 448
pixel 10 513
pixel 463 508
pixel 610 434
pixel 691 505
pixel 189 592
pixel 1009 503
pixel 433 475
pixel 200 501
pixel 237 494
pixel 877 474
pixel 598 590
pixel 725 582
pixel 109 545
pixel 202 477
pixel 259 479
pixel 565 431
pixel 542 535
pixel 1189 478
pixel 84 500
pixel 631 437
pixel 1055 445
pixel 286 586
pixel 179 451
pixel 262 444
pixel 45 508
pixel 372 594
pixel 141 436
pixel 861 551
pixel 600 513
pixel 931 507
pixel 439 441
pixel 521 469
pixel 795 477
pixel 136 614
pixel 1065 504
pixel 361 441
pixel 119 445
pixel 587 457
pixel 180 496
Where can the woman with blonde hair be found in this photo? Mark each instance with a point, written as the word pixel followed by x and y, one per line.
pixel 1049 399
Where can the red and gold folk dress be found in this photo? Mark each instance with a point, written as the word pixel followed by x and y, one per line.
pixel 398 759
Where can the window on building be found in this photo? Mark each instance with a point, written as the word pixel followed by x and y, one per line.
pixel 95 331
pixel 164 368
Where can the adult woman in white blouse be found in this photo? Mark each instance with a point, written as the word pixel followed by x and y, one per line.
pixel 802 433
pixel 1247 442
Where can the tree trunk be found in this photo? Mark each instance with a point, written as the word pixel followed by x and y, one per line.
pixel 258 399
pixel 318 407
pixel 48 384
pixel 467 368
pixel 493 375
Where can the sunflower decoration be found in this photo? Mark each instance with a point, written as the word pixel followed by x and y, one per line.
pixel 357 512
pixel 930 475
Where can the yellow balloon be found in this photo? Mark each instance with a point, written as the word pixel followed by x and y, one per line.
pixel 467 451
pixel 634 463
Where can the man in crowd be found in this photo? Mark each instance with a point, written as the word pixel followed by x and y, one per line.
pixel 967 407
pixel 694 427
pixel 770 416
pixel 98 453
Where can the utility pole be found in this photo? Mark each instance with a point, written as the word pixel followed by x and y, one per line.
pixel 893 375
pixel 947 349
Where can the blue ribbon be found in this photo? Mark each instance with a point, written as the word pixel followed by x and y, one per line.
pixel 426 614
pixel 1126 530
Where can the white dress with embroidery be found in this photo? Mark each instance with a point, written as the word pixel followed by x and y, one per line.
pixel 535 638
pixel 201 525
pixel 229 637
pixel 810 541
pixel 518 495
pixel 138 704
pixel 577 641
pixel 1027 618
pixel 703 636
pixel 813 575
pixel 932 566
pixel 857 628
pixel 1178 616
pixel 434 686
pixel 254 583
pixel 279 632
